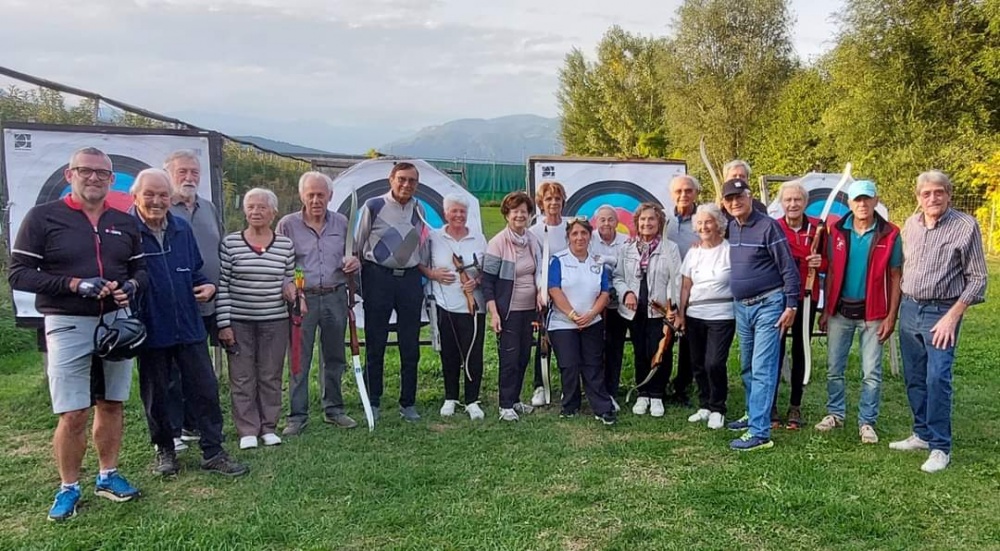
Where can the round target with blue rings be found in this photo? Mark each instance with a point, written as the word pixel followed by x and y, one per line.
pixel 431 200
pixel 126 169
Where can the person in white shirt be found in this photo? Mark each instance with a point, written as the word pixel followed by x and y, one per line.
pixel 578 285
pixel 706 314
pixel 550 198
pixel 604 246
pixel 461 330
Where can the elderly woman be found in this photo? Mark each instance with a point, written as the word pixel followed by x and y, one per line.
pixel 255 281
pixel 578 285
pixel 509 284
pixel 648 270
pixel 706 313
pixel 604 245
pixel 800 230
pixel 550 197
pixel 456 256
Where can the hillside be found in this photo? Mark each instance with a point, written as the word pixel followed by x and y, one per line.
pixel 504 139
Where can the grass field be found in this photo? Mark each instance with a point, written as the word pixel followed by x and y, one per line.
pixel 543 483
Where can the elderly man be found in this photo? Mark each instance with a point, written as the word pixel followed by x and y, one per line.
pixel 684 190
pixel 184 169
pixel 604 245
pixel 944 272
pixel 390 235
pixel 738 169
pixel 83 260
pixel 862 293
pixel 175 331
pixel 319 236
pixel 765 286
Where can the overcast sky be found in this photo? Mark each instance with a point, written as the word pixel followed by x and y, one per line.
pixel 398 63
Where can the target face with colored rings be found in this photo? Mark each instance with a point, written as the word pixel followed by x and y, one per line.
pixel 625 197
pixel 119 197
pixel 431 200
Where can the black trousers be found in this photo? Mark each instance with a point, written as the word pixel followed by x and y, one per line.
pixel 579 353
pixel 798 357
pixel 384 292
pixel 646 334
pixel 456 335
pixel 514 350
pixel 182 414
pixel 685 374
pixel 709 343
pixel 615 327
pixel 200 388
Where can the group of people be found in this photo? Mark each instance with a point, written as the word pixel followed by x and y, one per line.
pixel 697 276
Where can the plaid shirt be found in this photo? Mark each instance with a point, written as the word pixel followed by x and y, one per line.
pixel 944 262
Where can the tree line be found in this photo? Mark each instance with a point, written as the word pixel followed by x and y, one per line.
pixel 907 85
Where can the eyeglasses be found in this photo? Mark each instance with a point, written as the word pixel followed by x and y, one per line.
pixel 86 172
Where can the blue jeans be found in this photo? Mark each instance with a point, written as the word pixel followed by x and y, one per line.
pixel 927 371
pixel 759 336
pixel 839 337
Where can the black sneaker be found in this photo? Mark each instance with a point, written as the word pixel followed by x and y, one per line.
pixel 568 413
pixel 190 435
pixel 223 464
pixel 608 418
pixel 165 463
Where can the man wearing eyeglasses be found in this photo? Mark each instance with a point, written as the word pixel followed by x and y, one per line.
pixel 83 260
pixel 765 286
pixel 175 332
pixel 390 237
pixel 184 169
pixel 684 190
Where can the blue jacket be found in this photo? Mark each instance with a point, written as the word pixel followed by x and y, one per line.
pixel 761 259
pixel 167 306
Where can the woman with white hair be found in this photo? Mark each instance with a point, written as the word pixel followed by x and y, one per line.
pixel 706 313
pixel 455 271
pixel 800 230
pixel 257 267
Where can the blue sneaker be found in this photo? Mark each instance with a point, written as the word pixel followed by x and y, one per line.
pixel 115 488
pixel 743 423
pixel 749 443
pixel 64 507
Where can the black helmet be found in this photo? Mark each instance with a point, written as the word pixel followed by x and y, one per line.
pixel 121 340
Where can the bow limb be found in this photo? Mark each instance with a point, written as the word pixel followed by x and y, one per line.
pixel 359 374
pixel 703 151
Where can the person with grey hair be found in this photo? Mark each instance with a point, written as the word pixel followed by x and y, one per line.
pixel 944 272
pixel 800 230
pixel 83 261
pixel 706 314
pixel 257 267
pixel 740 170
pixel 684 190
pixel 454 272
pixel 175 334
pixel 184 169
pixel 605 244
pixel 319 236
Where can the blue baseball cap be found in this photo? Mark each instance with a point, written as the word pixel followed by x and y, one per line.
pixel 861 188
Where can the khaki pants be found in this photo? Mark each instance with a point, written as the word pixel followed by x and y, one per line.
pixel 255 375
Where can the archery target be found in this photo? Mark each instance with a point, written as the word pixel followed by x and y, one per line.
pixel 35 157
pixel 818 187
pixel 592 183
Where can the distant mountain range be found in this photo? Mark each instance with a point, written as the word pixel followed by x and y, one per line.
pixel 504 139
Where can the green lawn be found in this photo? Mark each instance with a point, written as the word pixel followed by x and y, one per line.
pixel 544 483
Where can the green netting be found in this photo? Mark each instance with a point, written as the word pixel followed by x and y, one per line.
pixel 487 181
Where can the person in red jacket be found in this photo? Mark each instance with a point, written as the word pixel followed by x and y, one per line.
pixel 862 293
pixel 800 230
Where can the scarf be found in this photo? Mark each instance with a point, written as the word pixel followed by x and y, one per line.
pixel 646 250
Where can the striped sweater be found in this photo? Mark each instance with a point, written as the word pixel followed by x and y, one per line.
pixel 250 283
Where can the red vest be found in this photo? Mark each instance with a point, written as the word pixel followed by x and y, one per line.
pixel 801 242
pixel 877 282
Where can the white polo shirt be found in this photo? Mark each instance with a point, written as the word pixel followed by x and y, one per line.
pixel 581 281
pixel 607 252
pixel 442 247
pixel 709 271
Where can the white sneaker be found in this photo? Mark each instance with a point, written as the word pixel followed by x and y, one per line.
pixel 538 397
pixel 656 407
pixel 937 461
pixel 641 406
pixel 448 409
pixel 270 439
pixel 508 415
pixel 716 420
pixel 699 416
pixel 913 443
pixel 248 442
pixel 868 434
pixel 614 404
pixel 179 445
pixel 474 411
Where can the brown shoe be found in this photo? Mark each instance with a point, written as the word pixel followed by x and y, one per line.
pixel 340 420
pixel 794 418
